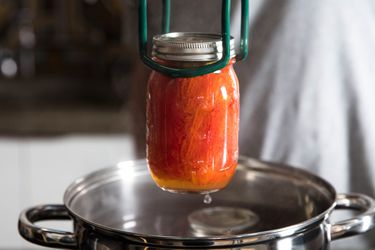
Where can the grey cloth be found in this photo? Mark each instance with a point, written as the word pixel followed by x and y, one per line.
pixel 307 88
pixel 308 91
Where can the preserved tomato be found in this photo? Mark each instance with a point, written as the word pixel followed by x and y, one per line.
pixel 192 130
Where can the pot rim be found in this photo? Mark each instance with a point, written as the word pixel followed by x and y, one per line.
pixel 211 240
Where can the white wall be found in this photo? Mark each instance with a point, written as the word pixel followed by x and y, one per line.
pixel 37 170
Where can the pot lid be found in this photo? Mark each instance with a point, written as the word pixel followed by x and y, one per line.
pixel 263 201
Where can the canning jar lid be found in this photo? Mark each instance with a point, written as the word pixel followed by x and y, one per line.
pixel 189 47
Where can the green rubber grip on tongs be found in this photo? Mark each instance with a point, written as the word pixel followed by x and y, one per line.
pixel 225 32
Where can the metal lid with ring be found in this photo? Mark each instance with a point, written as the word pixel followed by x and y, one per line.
pixel 190 47
pixel 225 38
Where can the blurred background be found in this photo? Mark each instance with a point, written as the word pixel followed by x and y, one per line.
pixel 72 95
pixel 64 99
pixel 64 66
pixel 72 92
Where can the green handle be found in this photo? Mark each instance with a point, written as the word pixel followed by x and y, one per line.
pixel 166 16
pixel 192 72
pixel 244 46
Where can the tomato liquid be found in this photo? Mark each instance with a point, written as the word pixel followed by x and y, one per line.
pixel 192 130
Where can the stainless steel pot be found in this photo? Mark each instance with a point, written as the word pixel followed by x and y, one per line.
pixel 121 208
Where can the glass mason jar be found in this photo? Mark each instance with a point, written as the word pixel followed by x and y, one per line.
pixel 192 123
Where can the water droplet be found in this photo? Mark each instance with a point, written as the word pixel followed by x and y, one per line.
pixel 207 199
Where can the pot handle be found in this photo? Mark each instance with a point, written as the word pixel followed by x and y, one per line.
pixel 44 236
pixel 360 224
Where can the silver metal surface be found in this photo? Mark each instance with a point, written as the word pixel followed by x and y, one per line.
pixel 126 200
pixel 361 223
pixel 191 47
pixel 121 208
pixel 44 236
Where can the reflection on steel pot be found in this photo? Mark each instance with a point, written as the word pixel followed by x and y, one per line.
pixel 121 208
